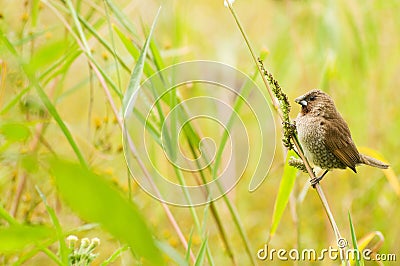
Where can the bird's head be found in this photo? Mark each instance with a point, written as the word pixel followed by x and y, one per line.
pixel 316 102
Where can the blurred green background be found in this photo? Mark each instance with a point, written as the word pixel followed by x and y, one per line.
pixel 350 49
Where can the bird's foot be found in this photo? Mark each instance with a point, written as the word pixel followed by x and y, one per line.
pixel 314 181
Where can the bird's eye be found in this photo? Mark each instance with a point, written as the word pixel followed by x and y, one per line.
pixel 312 98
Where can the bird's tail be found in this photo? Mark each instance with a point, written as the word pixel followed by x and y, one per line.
pixel 373 162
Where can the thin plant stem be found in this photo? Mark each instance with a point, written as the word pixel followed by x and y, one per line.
pixel 214 211
pixel 296 143
pixel 275 103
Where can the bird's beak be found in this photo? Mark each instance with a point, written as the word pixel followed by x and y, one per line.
pixel 300 100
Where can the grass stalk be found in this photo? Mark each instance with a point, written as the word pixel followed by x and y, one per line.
pixel 282 115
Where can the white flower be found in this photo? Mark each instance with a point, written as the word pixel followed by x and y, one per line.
pixel 71 239
pixel 228 2
pixel 95 242
pixel 85 242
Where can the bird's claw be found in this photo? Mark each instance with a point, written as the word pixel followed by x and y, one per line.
pixel 314 181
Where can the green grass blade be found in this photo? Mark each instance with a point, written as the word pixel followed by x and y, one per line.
pixel 358 261
pixel 113 48
pixel 53 256
pixel 187 256
pixel 172 254
pixel 86 48
pixel 35 12
pixel 103 42
pixel 60 236
pixel 285 188
pixel 95 199
pixel 193 140
pixel 157 58
pixel 53 111
pixel 60 66
pixel 115 255
pixel 78 26
pixel 202 253
pixel 138 70
pixel 121 17
pixel 14 101
pixel 133 51
pixel 6 216
pixel 127 43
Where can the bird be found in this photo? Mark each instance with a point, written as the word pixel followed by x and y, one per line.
pixel 325 136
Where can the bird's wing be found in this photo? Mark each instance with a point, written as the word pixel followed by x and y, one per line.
pixel 338 140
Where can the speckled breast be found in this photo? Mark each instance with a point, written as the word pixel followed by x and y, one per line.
pixel 311 137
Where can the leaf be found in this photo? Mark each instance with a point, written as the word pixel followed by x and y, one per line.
pixel 187 256
pixel 172 253
pixel 121 17
pixel 127 42
pixel 367 241
pixel 54 113
pixel 14 101
pixel 202 252
pixel 285 188
pixel 95 200
pixel 358 261
pixel 6 216
pixel 15 131
pixel 156 55
pixel 373 241
pixel 17 237
pixel 46 55
pixel 35 12
pixel 138 70
pixel 115 255
pixel 63 251
pixel 102 41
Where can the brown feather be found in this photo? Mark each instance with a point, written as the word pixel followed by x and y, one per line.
pixel 338 140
